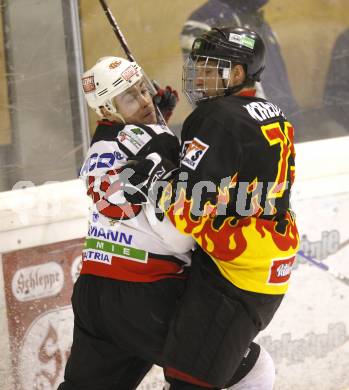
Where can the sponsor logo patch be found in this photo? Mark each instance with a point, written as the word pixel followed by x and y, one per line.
pixel 137 131
pixel 242 40
pixel 192 153
pixel 129 73
pixel 111 235
pixel 103 251
pixel 280 270
pixel 114 64
pixel 96 255
pixel 101 161
pixel 197 45
pixel 133 138
pixel 88 84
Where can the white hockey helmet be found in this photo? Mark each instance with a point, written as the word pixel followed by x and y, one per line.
pixel 107 79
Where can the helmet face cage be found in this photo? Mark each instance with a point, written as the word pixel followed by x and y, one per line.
pixel 227 46
pixel 205 78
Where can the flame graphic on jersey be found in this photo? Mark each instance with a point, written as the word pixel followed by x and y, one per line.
pixel 229 235
pixel 229 240
pixel 284 240
pixel 257 209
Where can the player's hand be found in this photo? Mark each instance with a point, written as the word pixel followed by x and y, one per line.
pixel 143 178
pixel 166 99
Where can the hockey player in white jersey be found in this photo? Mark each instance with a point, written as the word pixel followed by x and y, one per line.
pixel 134 262
pixel 115 82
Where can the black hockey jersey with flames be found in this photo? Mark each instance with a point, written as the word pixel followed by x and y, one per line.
pixel 239 157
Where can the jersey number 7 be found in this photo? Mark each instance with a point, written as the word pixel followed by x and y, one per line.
pixel 284 137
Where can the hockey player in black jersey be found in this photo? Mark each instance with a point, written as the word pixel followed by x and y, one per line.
pixel 239 160
pixel 134 265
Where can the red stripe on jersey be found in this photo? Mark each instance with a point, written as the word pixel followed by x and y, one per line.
pixel 173 373
pixel 106 122
pixel 247 92
pixel 132 271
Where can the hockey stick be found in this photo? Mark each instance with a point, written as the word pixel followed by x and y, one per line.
pixel 130 57
pixel 343 245
pixel 325 267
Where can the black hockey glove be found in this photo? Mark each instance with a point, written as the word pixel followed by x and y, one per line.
pixel 166 99
pixel 143 178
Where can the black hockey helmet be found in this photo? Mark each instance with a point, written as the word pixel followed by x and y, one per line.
pixel 236 44
pixel 246 5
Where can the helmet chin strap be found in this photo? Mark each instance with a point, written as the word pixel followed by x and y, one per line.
pixel 113 112
pixel 111 107
pixel 232 90
pixel 228 90
pixel 237 88
pixel 120 117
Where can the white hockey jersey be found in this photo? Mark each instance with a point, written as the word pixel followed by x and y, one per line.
pixel 124 241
